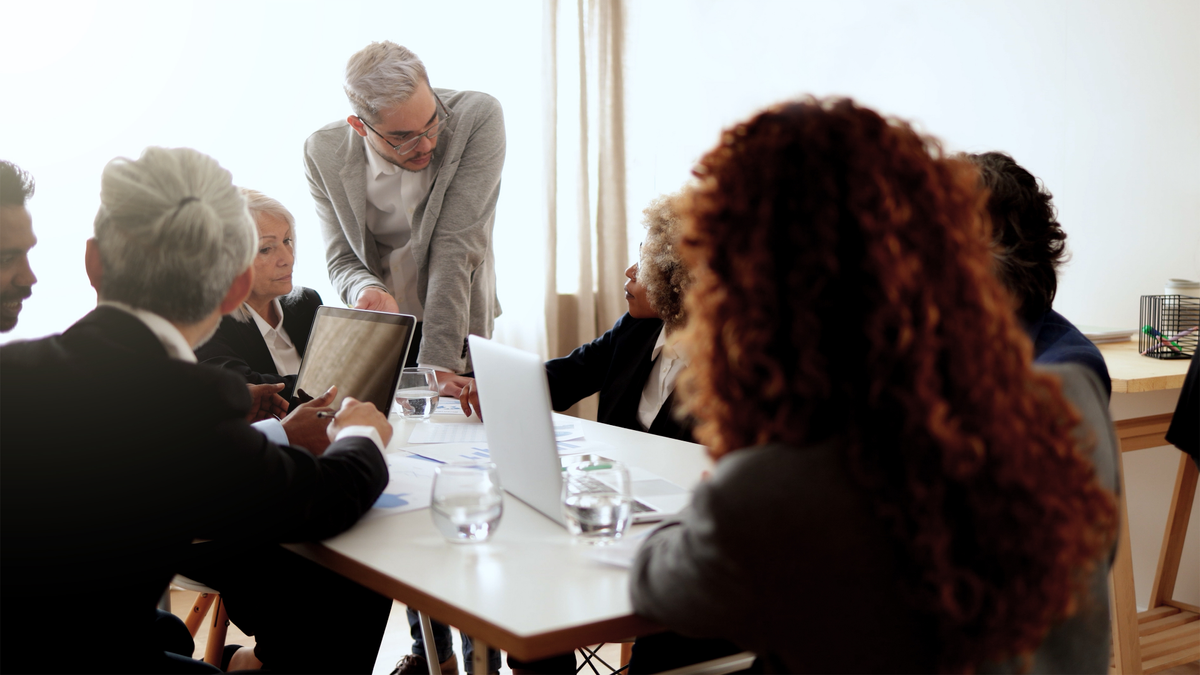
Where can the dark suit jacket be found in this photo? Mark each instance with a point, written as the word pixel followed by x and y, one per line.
pixel 616 364
pixel 782 549
pixel 240 346
pixel 115 457
pixel 1056 340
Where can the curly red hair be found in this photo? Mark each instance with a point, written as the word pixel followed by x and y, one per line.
pixel 842 287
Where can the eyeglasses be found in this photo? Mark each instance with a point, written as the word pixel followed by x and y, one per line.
pixel 404 147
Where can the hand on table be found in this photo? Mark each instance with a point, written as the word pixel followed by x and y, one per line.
pixel 462 388
pixel 265 402
pixel 360 413
pixel 305 429
pixel 377 299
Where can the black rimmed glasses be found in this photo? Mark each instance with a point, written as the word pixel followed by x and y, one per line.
pixel 406 146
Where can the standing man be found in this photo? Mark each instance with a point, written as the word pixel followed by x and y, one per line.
pixel 16 238
pixel 406 191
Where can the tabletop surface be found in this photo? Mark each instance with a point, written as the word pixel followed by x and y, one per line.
pixel 1132 373
pixel 529 590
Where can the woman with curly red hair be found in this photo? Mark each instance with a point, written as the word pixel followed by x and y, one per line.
pixel 897 490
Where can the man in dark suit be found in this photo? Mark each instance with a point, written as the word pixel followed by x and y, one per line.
pixel 107 496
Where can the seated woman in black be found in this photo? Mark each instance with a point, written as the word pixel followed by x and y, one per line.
pixel 264 339
pixel 635 364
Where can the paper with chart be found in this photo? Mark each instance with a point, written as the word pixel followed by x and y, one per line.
pixel 410 482
pixel 565 429
pixel 449 453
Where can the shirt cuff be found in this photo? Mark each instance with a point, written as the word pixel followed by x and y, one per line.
pixel 363 431
pixel 273 430
pixel 440 369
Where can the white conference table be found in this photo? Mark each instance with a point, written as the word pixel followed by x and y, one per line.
pixel 530 590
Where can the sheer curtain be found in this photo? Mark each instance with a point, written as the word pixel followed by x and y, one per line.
pixel 584 118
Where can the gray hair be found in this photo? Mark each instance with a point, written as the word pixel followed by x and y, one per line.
pixel 381 75
pixel 259 205
pixel 173 233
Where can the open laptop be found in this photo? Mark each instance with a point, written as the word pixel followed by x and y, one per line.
pixel 520 434
pixel 360 351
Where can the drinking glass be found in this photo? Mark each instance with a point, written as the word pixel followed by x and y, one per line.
pixel 467 503
pixel 417 393
pixel 597 500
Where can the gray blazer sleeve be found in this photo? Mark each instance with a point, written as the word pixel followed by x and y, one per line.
pixel 460 243
pixel 347 272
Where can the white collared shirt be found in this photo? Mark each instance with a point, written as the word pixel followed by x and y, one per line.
pixel 279 343
pixel 392 197
pixel 178 348
pixel 668 363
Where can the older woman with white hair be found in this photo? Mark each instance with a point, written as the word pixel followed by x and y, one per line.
pixel 264 339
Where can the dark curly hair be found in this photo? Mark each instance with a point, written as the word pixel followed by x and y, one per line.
pixel 1027 241
pixel 842 287
pixel 16 185
pixel 660 269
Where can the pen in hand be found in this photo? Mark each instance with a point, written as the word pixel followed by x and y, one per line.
pixel 326 413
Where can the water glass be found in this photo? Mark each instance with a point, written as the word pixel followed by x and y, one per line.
pixel 467 503
pixel 597 500
pixel 417 393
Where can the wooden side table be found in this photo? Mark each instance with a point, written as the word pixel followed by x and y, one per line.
pixel 1167 634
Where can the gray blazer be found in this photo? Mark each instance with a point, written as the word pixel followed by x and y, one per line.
pixel 783 553
pixel 451 228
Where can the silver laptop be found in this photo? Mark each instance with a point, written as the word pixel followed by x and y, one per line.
pixel 520 434
pixel 360 351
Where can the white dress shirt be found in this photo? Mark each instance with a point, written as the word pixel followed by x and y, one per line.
pixel 279 343
pixel 392 196
pixel 178 348
pixel 669 362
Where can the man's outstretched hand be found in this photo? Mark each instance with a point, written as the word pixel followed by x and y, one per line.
pixel 359 413
pixel 377 299
pixel 305 429
pixel 266 403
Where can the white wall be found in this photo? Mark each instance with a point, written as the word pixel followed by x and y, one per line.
pixel 1099 98
pixel 245 82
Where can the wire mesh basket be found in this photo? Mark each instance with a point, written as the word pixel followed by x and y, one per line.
pixel 1170 326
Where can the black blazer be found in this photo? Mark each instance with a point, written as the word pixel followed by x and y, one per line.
pixel 240 346
pixel 115 457
pixel 616 364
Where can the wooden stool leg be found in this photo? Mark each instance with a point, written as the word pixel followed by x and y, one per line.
pixel 626 653
pixel 1127 652
pixel 216 635
pixel 199 611
pixel 1177 525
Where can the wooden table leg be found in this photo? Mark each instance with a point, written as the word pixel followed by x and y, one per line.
pixel 1127 653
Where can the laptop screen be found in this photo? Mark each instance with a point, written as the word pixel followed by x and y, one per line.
pixel 362 352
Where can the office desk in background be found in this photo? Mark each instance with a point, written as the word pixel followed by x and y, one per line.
pixel 530 590
pixel 1167 634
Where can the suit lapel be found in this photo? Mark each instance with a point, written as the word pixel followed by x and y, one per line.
pixel 625 408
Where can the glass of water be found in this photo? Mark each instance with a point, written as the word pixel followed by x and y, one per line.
pixel 417 393
pixel 467 503
pixel 597 500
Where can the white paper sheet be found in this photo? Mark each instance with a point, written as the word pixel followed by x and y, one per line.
pixel 452 432
pixel 620 553
pixel 454 452
pixel 410 482
pixel 472 431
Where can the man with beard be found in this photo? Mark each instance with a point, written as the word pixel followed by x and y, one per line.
pixel 16 238
pixel 406 190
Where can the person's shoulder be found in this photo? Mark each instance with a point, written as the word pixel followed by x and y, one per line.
pixel 469 101
pixel 307 298
pixel 328 138
pixel 628 325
